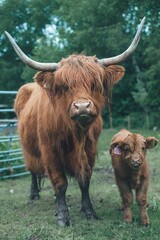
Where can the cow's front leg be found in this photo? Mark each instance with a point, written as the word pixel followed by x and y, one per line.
pixel 87 207
pixel 127 197
pixel 63 218
pixel 59 182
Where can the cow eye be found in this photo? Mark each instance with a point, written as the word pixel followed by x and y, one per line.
pixel 92 87
pixel 60 89
pixel 65 88
pixel 126 148
pixel 143 148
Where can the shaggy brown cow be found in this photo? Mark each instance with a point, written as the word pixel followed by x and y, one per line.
pixel 131 168
pixel 60 120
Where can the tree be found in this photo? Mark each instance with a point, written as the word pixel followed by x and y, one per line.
pixel 103 28
pixel 149 61
pixel 99 27
pixel 26 21
pixel 50 52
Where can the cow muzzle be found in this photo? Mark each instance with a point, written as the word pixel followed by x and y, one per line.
pixel 83 111
pixel 136 163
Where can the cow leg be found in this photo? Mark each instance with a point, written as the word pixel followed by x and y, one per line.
pixel 141 198
pixel 34 194
pixel 59 182
pixel 127 197
pixel 87 207
pixel 63 218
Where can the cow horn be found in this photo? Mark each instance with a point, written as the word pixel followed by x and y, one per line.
pixel 124 55
pixel 28 61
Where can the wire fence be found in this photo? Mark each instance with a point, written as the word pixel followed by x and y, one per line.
pixel 136 120
pixel 11 158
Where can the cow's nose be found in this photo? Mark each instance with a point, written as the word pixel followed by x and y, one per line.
pixel 83 111
pixel 136 160
pixel 81 106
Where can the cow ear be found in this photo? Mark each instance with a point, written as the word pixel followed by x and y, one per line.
pixel 116 147
pixel 115 73
pixel 151 142
pixel 44 79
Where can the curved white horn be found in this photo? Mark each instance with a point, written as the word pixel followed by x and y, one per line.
pixel 28 61
pixel 124 55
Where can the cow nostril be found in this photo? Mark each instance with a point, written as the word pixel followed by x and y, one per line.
pixel 76 105
pixel 136 160
pixel 88 104
pixel 82 105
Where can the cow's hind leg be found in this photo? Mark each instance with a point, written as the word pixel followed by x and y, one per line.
pixel 87 207
pixel 34 194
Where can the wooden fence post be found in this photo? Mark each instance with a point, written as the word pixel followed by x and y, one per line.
pixel 129 122
pixel 147 121
pixel 111 122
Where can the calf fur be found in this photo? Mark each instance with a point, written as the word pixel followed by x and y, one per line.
pixel 131 169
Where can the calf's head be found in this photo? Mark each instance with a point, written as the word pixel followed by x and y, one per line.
pixel 133 149
pixel 80 87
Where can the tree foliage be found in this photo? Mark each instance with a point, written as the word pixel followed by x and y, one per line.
pixel 26 21
pixel 49 30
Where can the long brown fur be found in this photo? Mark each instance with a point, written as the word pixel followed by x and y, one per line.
pixel 128 149
pixel 44 119
pixel 52 141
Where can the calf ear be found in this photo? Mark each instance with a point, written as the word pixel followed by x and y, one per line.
pixel 116 147
pixel 151 142
pixel 44 79
pixel 115 73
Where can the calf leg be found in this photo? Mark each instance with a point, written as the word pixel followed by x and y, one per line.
pixel 141 198
pixel 127 197
pixel 34 193
pixel 87 207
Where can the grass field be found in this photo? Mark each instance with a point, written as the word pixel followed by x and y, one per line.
pixel 21 219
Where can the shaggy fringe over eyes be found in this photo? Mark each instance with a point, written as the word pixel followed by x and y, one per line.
pixel 78 70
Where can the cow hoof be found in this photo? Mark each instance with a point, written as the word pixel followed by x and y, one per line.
pixel 145 224
pixel 34 196
pixel 63 222
pixel 90 214
pixel 128 221
pixel 63 218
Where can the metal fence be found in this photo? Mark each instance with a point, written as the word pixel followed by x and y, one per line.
pixel 11 158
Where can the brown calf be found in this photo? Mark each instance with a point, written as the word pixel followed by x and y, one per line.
pixel 131 168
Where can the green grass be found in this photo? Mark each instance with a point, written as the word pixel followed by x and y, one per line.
pixel 21 219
